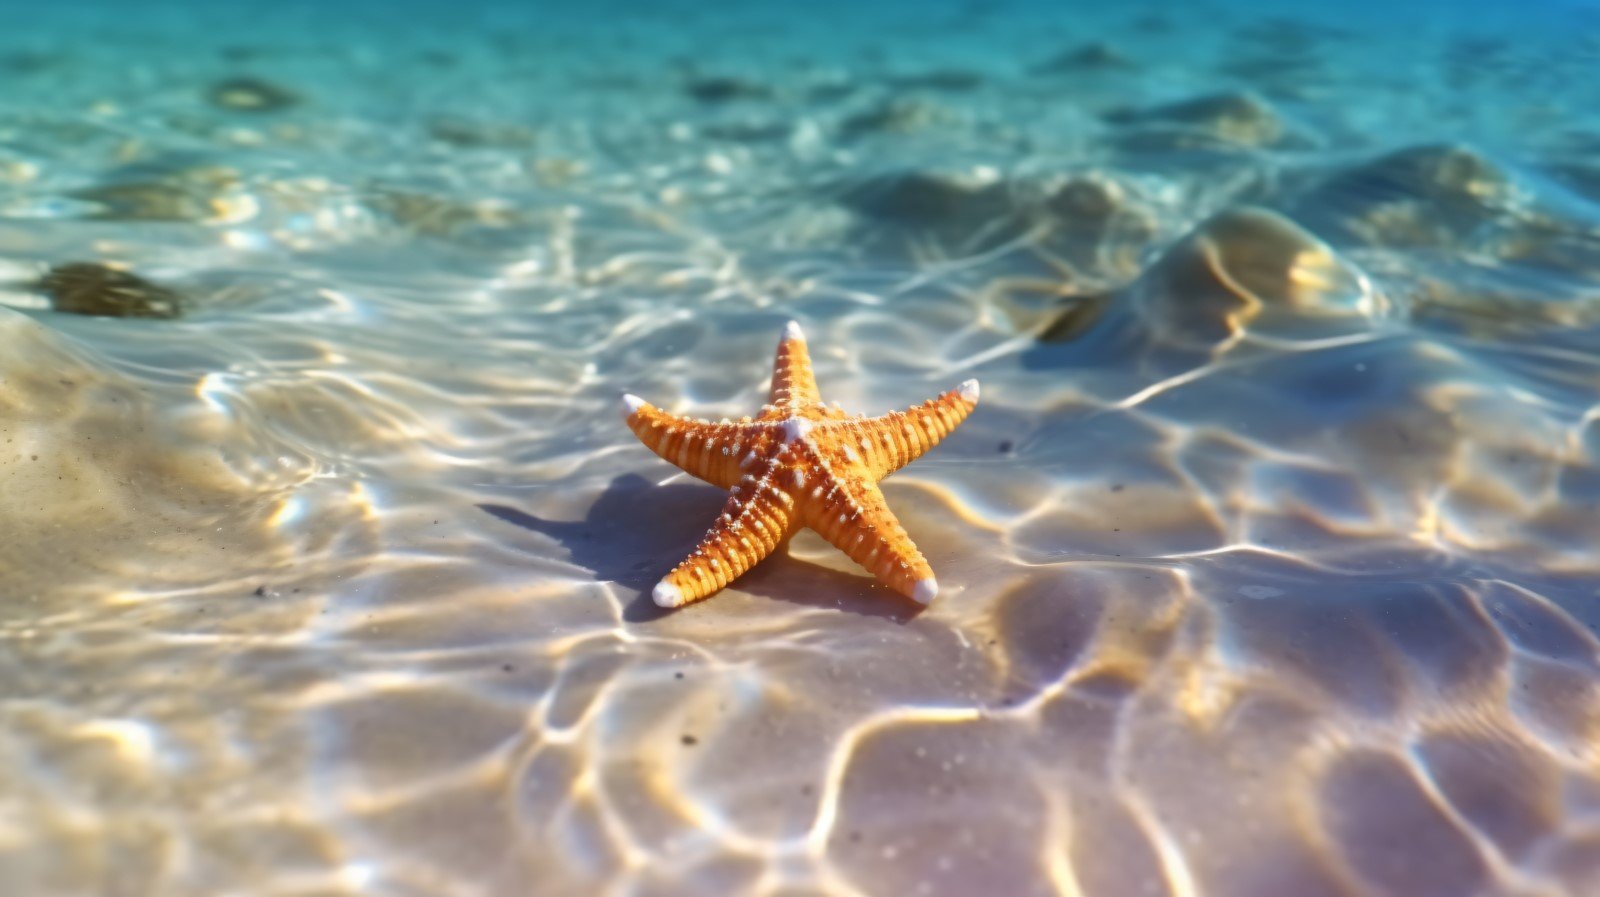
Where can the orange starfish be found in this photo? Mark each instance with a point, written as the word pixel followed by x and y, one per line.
pixel 799 463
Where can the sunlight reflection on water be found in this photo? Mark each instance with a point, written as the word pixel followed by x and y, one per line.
pixel 1278 511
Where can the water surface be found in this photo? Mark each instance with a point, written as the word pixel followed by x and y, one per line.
pixel 1267 562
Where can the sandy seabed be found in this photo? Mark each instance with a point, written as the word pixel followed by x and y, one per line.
pixel 1268 561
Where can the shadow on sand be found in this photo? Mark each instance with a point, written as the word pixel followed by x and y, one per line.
pixel 637 530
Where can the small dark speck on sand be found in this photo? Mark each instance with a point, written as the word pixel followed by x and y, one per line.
pixel 1117 487
pixel 678 675
pixel 508 668
pixel 690 741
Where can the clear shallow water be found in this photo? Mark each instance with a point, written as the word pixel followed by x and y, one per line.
pixel 1267 561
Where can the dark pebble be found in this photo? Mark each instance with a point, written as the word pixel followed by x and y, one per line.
pixel 89 288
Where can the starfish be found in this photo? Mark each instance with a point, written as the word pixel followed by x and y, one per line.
pixel 799 463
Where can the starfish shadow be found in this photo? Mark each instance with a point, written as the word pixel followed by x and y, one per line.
pixel 637 530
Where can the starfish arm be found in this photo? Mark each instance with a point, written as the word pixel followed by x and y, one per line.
pixel 756 519
pixel 711 451
pixel 857 520
pixel 793 384
pixel 894 440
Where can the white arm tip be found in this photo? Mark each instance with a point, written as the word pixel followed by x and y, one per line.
pixel 792 331
pixel 969 391
pixel 924 591
pixel 632 403
pixel 667 595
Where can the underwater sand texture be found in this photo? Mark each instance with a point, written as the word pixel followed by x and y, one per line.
pixel 1267 564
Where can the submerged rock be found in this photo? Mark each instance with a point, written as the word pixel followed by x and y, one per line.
pixel 1442 173
pixel 1084 198
pixel 443 216
pixel 1249 268
pixel 1426 195
pixel 249 94
pixel 958 210
pixel 169 190
pixel 91 288
pixel 932 198
pixel 29 62
pixel 1233 118
pixel 1281 57
pixel 1087 220
pixel 898 115
pixel 467 133
pixel 724 88
pixel 1097 222
pixel 1096 56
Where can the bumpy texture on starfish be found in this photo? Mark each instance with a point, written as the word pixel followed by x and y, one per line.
pixel 799 463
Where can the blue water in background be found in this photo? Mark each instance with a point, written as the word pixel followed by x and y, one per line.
pixel 1268 561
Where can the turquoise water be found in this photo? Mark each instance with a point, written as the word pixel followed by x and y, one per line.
pixel 1267 561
